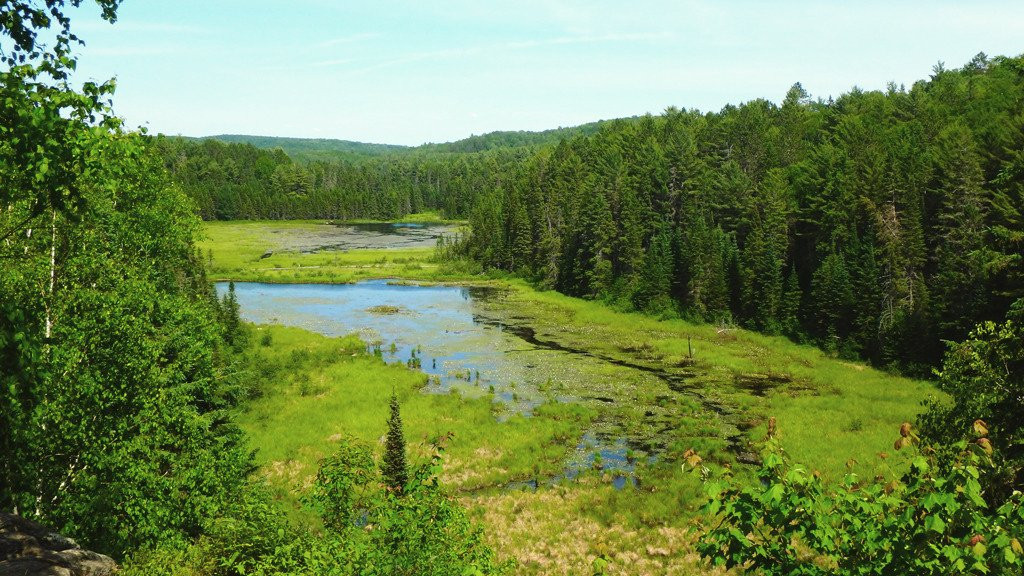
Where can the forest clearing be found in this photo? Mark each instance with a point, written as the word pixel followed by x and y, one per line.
pixel 707 392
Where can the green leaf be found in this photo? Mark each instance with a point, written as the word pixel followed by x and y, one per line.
pixel 920 464
pixel 934 523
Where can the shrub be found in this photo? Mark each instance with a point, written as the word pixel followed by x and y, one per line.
pixel 935 520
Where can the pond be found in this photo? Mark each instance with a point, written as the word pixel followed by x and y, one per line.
pixel 459 338
pixel 316 237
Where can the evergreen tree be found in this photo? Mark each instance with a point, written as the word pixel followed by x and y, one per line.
pixel 394 467
pixel 764 253
pixel 832 294
pixel 789 314
pixel 960 285
pixel 655 276
pixel 520 240
pixel 230 314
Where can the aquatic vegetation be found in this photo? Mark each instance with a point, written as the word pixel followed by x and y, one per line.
pixel 550 393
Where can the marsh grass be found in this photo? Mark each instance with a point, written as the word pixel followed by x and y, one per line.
pixel 309 391
pixel 315 390
pixel 558 528
pixel 830 412
pixel 259 251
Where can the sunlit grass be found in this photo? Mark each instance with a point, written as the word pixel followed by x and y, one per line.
pixel 314 391
pixel 828 410
pixel 258 251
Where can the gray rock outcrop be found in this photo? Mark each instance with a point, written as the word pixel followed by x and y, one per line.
pixel 28 548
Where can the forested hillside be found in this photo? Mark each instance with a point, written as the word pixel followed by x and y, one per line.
pixel 327 149
pixel 243 182
pixel 311 149
pixel 513 139
pixel 876 225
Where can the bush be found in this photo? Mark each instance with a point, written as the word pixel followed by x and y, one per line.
pixel 984 377
pixel 935 520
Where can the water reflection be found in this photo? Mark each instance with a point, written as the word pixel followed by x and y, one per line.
pixel 432 328
pixel 460 345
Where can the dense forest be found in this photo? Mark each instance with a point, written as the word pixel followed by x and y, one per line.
pixel 235 181
pixel 882 225
pixel 311 149
pixel 877 225
pixel 120 370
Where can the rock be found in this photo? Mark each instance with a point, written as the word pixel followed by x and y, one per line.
pixel 28 548
pixel 743 458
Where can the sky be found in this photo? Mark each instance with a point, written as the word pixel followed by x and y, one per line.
pixel 395 72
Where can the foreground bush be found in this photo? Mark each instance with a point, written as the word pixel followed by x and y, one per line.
pixel 368 530
pixel 934 520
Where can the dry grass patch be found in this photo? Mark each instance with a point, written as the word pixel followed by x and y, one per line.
pixel 550 532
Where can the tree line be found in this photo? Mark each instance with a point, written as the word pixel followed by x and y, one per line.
pixel 237 181
pixel 876 225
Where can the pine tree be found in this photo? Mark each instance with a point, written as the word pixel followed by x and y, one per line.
pixel 764 253
pixel 231 314
pixel 396 473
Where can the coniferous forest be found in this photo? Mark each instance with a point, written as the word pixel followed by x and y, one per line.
pixel 664 311
pixel 877 225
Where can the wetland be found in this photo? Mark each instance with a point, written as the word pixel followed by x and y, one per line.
pixel 565 412
pixel 465 340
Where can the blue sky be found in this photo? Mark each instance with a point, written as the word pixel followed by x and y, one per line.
pixel 413 72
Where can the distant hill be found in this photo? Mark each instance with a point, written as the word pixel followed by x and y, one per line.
pixel 514 139
pixel 311 149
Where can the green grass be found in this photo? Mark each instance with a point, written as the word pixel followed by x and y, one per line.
pixel 312 391
pixel 828 410
pixel 261 251
pixel 316 390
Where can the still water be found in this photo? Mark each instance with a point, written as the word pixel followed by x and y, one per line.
pixel 438 326
pixel 449 334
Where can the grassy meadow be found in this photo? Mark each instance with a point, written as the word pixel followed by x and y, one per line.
pixel 312 391
pixel 264 252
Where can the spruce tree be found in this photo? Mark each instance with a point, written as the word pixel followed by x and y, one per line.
pixel 655 276
pixel 764 253
pixel 396 474
pixel 231 312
